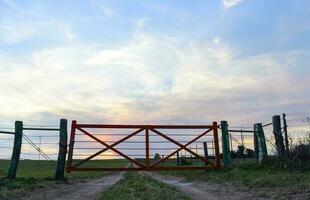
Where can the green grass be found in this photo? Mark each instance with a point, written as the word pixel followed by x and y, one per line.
pixel 35 174
pixel 137 186
pixel 260 178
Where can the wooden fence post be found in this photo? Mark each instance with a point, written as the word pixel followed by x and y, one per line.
pixel 287 147
pixel 61 161
pixel 216 146
pixel 276 121
pixel 205 150
pixel 16 149
pixel 256 143
pixel 225 144
pixel 261 142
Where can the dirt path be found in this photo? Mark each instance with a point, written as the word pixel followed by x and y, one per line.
pixel 204 190
pixel 76 190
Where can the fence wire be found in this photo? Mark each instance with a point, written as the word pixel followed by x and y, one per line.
pixel 40 145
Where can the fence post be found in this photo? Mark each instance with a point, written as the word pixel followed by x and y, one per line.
pixel 216 146
pixel 256 143
pixel 16 149
pixel 276 121
pixel 287 147
pixel 261 142
pixel 225 144
pixel 61 161
pixel 178 159
pixel 205 150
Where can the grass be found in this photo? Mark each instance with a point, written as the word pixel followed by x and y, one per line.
pixel 35 174
pixel 266 180
pixel 137 186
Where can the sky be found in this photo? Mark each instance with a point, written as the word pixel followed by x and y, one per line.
pixel 154 62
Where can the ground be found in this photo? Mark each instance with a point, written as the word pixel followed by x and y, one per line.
pixel 259 180
pixel 248 181
pixel 141 186
pixel 34 175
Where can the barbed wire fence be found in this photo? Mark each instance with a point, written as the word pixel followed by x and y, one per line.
pixel 33 142
pixel 297 126
pixel 41 142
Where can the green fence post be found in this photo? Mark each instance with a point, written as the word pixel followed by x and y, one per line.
pixel 225 144
pixel 16 149
pixel 61 161
pixel 261 142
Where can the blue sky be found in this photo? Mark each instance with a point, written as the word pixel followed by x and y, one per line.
pixel 190 62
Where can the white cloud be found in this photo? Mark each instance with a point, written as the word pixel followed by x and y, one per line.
pixel 28 27
pixel 68 33
pixel 230 3
pixel 159 78
pixel 15 34
pixel 149 79
pixel 106 11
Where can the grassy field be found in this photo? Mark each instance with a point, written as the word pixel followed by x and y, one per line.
pixel 267 181
pixel 138 186
pixel 33 174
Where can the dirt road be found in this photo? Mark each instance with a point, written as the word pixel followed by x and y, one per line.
pixel 206 191
pixel 76 190
pixel 89 189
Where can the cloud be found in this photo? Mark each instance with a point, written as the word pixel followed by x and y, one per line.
pixel 230 3
pixel 26 25
pixel 149 79
pixel 106 11
pixel 157 77
pixel 15 34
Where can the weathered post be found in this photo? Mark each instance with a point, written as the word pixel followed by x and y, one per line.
pixel 216 146
pixel 255 135
pixel 260 143
pixel 205 150
pixel 225 144
pixel 276 121
pixel 16 149
pixel 287 147
pixel 178 159
pixel 61 161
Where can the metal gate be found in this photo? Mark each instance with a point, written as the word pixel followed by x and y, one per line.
pixel 146 133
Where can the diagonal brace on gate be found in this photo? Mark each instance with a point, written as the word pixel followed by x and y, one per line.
pixel 111 147
pixel 180 145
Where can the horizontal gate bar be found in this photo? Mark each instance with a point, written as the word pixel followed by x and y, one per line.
pixel 143 169
pixel 146 166
pixel 144 126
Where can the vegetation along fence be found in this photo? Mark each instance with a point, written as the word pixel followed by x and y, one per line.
pixel 273 138
pixel 262 141
pixel 32 144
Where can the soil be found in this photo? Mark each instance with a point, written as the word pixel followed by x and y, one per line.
pixel 80 190
pixel 204 190
pixel 196 190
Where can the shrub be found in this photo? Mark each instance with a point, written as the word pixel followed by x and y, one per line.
pixel 299 157
pixel 185 161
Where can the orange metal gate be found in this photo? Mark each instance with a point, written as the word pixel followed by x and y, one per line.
pixel 148 163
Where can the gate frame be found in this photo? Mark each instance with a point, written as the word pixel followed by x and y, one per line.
pixel 147 128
